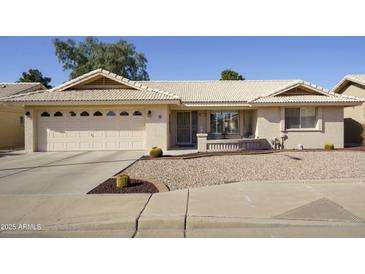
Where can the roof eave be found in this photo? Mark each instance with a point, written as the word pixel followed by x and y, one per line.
pixel 215 104
pixel 98 102
pixel 344 104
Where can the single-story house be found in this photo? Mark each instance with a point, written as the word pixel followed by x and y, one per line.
pixel 354 117
pixel 104 111
pixel 12 117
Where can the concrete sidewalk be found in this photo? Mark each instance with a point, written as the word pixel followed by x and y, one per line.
pixel 279 209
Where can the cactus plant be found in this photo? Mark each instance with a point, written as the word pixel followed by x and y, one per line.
pixel 329 147
pixel 156 152
pixel 122 180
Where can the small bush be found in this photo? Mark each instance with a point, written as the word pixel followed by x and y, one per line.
pixel 123 180
pixel 329 147
pixel 156 152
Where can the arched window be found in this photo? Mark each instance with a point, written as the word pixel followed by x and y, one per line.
pixel 45 114
pixel 110 113
pixel 98 113
pixel 84 113
pixel 124 113
pixel 137 113
pixel 58 114
pixel 72 113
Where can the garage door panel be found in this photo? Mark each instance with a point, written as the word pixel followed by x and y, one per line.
pixel 91 133
pixel 112 134
pixel 71 134
pixel 138 134
pixel 72 146
pixel 111 145
pixel 124 145
pixel 59 146
pixel 85 145
pixel 57 134
pixel 83 134
pixel 98 134
pixel 136 145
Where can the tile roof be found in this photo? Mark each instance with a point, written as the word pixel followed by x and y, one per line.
pixel 198 93
pixel 356 78
pixel 91 95
pixel 306 99
pixel 220 91
pixel 9 89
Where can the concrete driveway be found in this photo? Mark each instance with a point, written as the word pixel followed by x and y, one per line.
pixel 60 172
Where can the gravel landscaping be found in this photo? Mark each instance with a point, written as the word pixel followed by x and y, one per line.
pixel 197 172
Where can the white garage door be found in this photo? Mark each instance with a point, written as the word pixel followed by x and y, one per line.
pixel 91 130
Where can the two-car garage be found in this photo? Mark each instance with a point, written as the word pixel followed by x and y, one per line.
pixel 96 111
pixel 91 129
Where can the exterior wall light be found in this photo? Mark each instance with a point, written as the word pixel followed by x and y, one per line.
pixel 27 114
pixel 149 113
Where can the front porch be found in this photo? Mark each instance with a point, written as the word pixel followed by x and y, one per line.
pixel 207 145
pixel 213 130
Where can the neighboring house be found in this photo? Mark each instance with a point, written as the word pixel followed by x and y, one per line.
pixel 12 117
pixel 103 111
pixel 353 85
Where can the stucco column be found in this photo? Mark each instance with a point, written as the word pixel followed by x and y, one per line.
pixel 202 141
pixel 30 130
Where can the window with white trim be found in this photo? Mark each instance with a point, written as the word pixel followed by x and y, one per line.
pixel 304 117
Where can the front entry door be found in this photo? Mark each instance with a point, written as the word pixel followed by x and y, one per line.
pixel 183 128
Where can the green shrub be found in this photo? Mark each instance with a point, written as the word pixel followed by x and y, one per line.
pixel 123 180
pixel 329 147
pixel 156 152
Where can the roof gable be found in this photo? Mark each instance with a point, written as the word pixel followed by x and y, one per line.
pixel 101 82
pixel 347 80
pixel 112 79
pixel 299 91
pixel 97 77
pixel 305 88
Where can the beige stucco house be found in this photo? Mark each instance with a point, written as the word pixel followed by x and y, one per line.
pixel 103 111
pixel 354 117
pixel 12 117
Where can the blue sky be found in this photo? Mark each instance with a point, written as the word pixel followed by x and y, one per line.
pixel 320 60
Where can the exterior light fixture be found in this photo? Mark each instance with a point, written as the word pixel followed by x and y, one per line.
pixel 27 114
pixel 149 113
